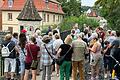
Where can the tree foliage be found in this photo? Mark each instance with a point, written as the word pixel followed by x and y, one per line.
pixel 71 7
pixel 110 9
pixel 81 20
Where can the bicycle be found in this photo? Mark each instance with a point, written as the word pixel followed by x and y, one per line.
pixel 114 77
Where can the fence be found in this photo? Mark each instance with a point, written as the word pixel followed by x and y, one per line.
pixel 64 34
pixel 2 34
pixel 1 66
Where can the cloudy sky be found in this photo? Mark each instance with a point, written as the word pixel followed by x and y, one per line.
pixel 88 2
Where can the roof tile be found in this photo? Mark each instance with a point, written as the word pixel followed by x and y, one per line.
pixel 39 4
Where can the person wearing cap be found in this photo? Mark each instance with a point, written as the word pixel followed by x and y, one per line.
pixel 78 57
pixel 46 59
pixel 25 32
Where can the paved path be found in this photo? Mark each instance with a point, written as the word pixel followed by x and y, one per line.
pixel 54 77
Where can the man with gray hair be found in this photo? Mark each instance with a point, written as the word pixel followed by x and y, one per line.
pixel 78 57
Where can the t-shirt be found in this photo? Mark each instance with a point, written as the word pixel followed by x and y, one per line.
pixel 79 50
pixel 108 51
pixel 10 47
pixel 57 43
pixel 116 54
pixel 65 48
pixel 34 49
pixel 116 42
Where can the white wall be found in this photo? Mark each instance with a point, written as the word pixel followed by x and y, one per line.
pixel 15 23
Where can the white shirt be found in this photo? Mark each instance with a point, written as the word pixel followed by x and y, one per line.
pixel 57 43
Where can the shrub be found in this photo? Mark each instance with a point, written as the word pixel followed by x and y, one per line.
pixel 70 21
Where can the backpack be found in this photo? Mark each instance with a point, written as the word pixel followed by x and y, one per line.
pixel 5 50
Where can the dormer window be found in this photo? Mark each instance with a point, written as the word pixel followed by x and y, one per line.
pixel 10 3
pixel 58 5
pixel 46 1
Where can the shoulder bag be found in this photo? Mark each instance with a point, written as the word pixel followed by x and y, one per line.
pixel 60 60
pixel 54 59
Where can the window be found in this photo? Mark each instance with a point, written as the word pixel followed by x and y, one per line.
pixel 10 3
pixel 10 29
pixel 44 17
pixel 58 18
pixel 53 18
pixel 46 1
pixel 48 18
pixel 58 7
pixel 9 16
pixel 21 27
pixel 47 7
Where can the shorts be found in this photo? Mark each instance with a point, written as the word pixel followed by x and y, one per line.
pixel 10 62
pixel 107 62
pixel 28 66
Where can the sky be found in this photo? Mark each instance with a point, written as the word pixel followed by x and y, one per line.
pixel 88 2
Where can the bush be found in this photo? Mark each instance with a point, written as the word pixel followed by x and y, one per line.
pixel 70 21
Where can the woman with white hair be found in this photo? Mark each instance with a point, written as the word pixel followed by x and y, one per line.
pixel 66 64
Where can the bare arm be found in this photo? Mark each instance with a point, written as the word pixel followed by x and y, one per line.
pixel 16 49
pixel 58 52
pixel 93 49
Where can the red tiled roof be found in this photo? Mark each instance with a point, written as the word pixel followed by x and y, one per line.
pixel 39 4
pixel 92 14
pixel 1 3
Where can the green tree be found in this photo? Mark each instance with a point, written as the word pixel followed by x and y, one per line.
pixel 68 22
pixel 110 9
pixel 71 7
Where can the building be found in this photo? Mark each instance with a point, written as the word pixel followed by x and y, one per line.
pixel 1 3
pixel 49 10
pixel 29 18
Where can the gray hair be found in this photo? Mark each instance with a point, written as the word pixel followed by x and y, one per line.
pixel 80 35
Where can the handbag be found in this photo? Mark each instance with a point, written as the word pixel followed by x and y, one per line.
pixel 60 60
pixel 34 63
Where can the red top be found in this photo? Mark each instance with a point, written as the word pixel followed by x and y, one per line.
pixel 34 50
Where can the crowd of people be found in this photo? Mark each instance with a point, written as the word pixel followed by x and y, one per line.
pixel 38 53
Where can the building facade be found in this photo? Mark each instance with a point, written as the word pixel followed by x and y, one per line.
pixel 1 3
pixel 49 10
